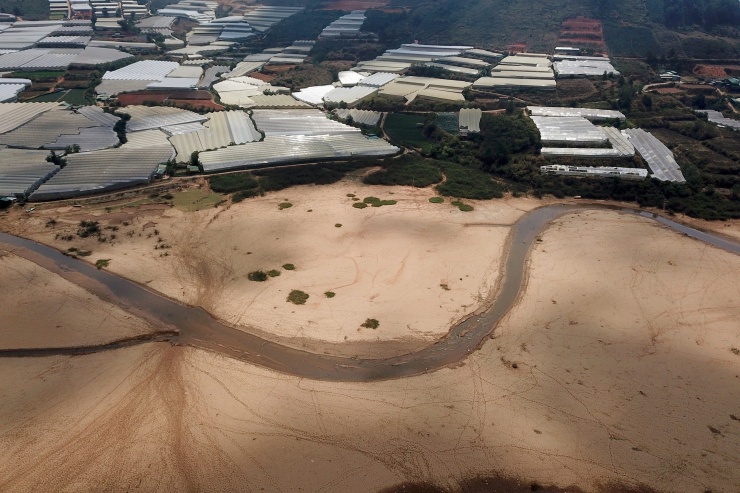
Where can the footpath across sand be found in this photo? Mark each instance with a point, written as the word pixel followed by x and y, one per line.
pixel 619 364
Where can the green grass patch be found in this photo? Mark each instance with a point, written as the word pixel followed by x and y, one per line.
pixel 463 207
pixel 376 202
pixel 195 199
pixel 407 130
pixel 102 263
pixel 288 266
pixel 257 276
pixel 232 183
pixel 284 205
pixel 408 169
pixel 469 183
pixel 436 200
pixel 273 273
pixel 371 323
pixel 71 96
pixel 330 294
pixel 297 297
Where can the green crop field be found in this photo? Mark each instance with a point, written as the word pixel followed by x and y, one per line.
pixel 71 96
pixel 407 129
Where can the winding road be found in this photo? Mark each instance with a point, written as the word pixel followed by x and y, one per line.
pixel 193 326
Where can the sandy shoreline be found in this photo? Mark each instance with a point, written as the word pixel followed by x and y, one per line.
pixel 617 365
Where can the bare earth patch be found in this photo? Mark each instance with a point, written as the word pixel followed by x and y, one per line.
pixel 40 309
pixel 381 262
pixel 616 366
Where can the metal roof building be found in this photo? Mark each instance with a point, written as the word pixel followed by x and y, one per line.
pixel 313 95
pixel 149 117
pixel 150 70
pixel 656 154
pixel 13 115
pixel 469 119
pixel 294 149
pixel 583 68
pixel 243 68
pixel 277 101
pixel 453 68
pixel 100 171
pixel 588 113
pixel 346 26
pixel 595 171
pixel 363 117
pixel 568 129
pixel 721 120
pixel 9 92
pixel 298 122
pixel 221 130
pixel 381 66
pixel 349 95
pixel 412 87
pixel 46 129
pixel 89 139
pixel 509 83
pixel 378 79
pixel 22 171
pixel 349 78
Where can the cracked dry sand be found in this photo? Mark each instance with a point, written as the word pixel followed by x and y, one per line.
pixel 621 343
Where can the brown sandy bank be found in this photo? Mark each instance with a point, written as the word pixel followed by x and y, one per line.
pixel 617 365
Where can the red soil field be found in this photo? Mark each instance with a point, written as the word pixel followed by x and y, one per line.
pixel 517 48
pixel 710 71
pixel 582 31
pixel 198 99
pixel 261 76
pixel 668 90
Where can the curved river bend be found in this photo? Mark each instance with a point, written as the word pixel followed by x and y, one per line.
pixel 199 329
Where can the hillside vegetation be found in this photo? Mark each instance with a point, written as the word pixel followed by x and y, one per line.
pixel 706 29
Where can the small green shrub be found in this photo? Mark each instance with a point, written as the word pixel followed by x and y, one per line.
pixel 102 263
pixel 284 205
pixel 288 266
pixel 245 194
pixel 436 200
pixel 297 297
pixel 273 273
pixel 371 323
pixel 359 205
pixel 88 228
pixel 376 202
pixel 338 225
pixel 257 276
pixel 330 294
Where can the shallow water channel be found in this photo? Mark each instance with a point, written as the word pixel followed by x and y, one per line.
pixel 187 325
